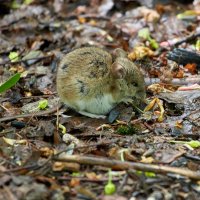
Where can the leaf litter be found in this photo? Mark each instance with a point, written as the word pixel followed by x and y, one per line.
pixel 49 151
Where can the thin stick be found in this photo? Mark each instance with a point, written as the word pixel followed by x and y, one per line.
pixel 88 160
pixel 175 81
pixel 21 61
pixel 42 113
pixel 187 38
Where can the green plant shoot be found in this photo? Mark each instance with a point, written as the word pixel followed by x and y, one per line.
pixel 27 2
pixel 198 45
pixel 15 5
pixel 42 104
pixel 13 56
pixel 145 34
pixel 110 187
pixel 10 82
pixel 192 143
pixel 147 174
pixel 187 14
pixel 63 128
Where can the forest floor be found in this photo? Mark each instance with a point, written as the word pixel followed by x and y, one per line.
pixel 50 152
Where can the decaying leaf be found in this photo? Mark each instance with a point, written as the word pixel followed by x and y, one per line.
pixel 14 142
pixel 60 166
pixel 140 52
pixel 157 88
pixel 151 105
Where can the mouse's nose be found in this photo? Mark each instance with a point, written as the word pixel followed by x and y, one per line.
pixel 141 94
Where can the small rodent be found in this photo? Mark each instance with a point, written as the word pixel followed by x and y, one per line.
pixel 92 82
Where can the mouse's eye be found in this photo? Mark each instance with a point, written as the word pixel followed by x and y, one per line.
pixel 134 84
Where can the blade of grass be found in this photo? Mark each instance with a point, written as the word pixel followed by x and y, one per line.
pixel 10 82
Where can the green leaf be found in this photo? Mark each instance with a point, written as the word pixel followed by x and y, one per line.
pixel 194 143
pixel 15 5
pixel 27 2
pixel 139 173
pixel 14 56
pixel 187 14
pixel 76 174
pixel 63 128
pixel 147 174
pixel 198 45
pixel 42 104
pixel 10 82
pixel 153 43
pixel 150 174
pixel 144 33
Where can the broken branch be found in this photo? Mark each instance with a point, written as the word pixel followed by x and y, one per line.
pixel 116 164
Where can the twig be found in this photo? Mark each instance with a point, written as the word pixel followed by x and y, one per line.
pixel 83 179
pixel 39 96
pixel 187 38
pixel 94 16
pixel 20 61
pixel 4 27
pixel 150 128
pixel 88 160
pixel 46 112
pixel 175 81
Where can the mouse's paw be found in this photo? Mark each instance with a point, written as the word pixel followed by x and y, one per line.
pixel 92 115
pixel 128 101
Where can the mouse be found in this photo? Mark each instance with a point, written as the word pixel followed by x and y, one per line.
pixel 93 81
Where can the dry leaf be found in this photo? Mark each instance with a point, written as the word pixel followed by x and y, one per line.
pixel 93 176
pixel 157 88
pixel 151 105
pixel 192 68
pixel 14 142
pixel 147 159
pixel 60 166
pixel 140 52
pixel 74 182
pixel 46 151
pixel 150 15
pixel 179 124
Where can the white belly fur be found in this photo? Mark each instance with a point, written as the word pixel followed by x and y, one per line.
pixel 100 105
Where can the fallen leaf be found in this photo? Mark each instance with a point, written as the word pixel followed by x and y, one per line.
pixel 66 166
pixel 140 52
pixel 93 176
pixel 13 142
pixel 75 182
pixel 151 105
pixel 192 68
pixel 147 159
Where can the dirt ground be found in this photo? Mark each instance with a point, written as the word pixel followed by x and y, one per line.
pixel 147 150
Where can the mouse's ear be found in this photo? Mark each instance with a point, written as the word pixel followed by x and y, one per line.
pixel 117 70
pixel 119 53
